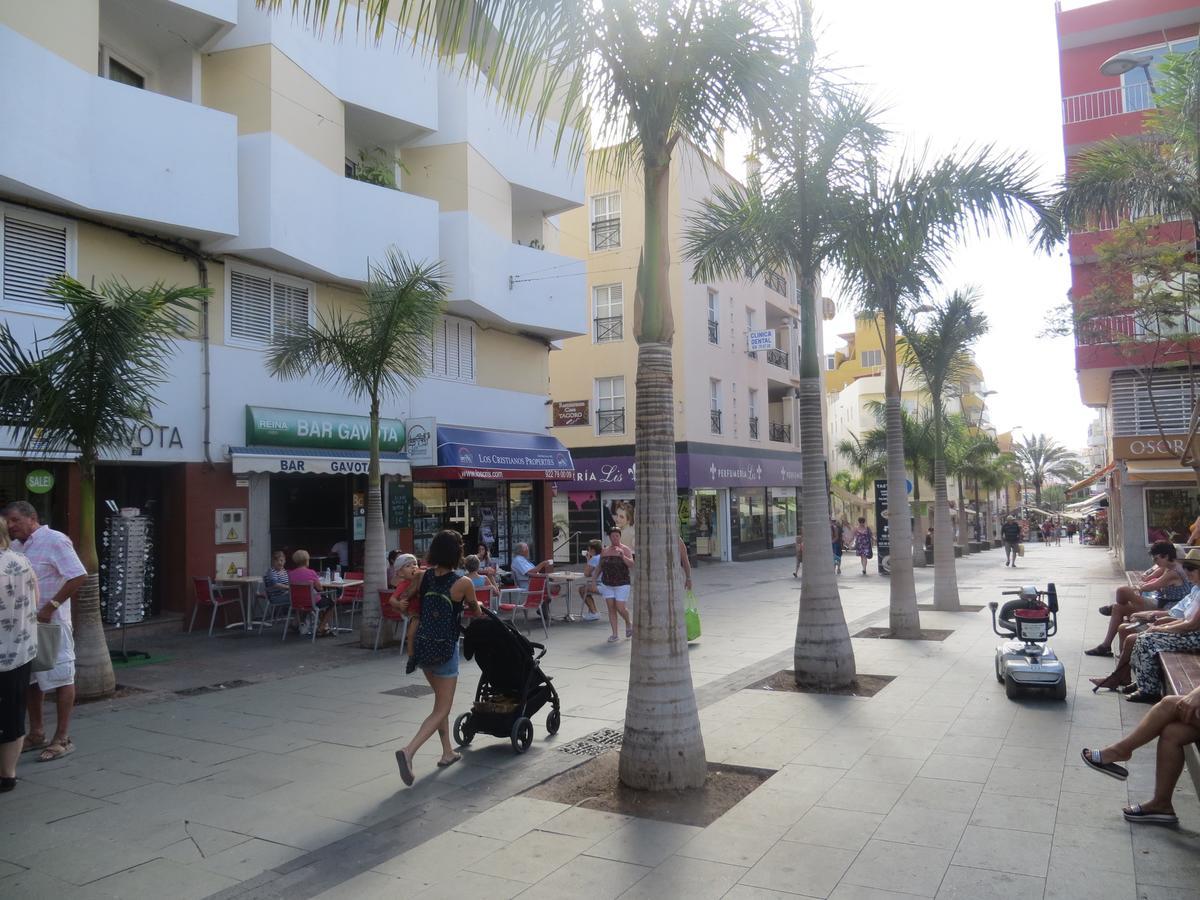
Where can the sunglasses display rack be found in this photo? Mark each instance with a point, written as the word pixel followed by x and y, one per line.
pixel 127 570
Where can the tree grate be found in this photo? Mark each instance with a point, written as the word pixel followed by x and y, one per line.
pixel 593 744
pixel 411 690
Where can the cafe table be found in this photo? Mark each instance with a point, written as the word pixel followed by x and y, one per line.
pixel 568 578
pixel 338 585
pixel 246 584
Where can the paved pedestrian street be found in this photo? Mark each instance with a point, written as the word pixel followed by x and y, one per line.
pixel 938 786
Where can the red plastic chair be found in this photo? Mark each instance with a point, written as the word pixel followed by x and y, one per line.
pixel 208 594
pixel 483 596
pixel 534 595
pixel 304 601
pixel 352 596
pixel 387 611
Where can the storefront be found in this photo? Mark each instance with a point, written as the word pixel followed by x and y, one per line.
pixel 734 503
pixel 1151 497
pixel 307 474
pixel 496 488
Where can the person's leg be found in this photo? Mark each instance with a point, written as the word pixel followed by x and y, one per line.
pixel 623 612
pixel 9 751
pixel 1161 714
pixel 64 703
pixel 443 700
pixel 1168 765
pixel 863 559
pixel 1145 664
pixel 37 726
pixel 612 615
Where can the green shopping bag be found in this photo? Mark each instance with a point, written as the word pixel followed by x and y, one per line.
pixel 692 615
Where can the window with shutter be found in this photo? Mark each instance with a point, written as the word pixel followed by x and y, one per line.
pixel 36 250
pixel 453 350
pixel 263 307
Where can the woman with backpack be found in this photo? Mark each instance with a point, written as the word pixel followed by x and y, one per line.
pixel 863 539
pixel 437 609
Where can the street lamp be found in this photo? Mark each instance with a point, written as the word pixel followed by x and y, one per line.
pixel 1120 63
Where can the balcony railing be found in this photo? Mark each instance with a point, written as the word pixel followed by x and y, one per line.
pixel 1120 328
pixel 781 432
pixel 714 332
pixel 606 234
pixel 611 421
pixel 777 357
pixel 1114 101
pixel 753 428
pixel 776 282
pixel 714 420
pixel 609 328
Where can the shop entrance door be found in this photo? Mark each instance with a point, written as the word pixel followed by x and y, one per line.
pixel 472 510
pixel 710 526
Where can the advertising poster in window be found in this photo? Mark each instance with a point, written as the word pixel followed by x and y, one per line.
pixel 618 513
pixel 883 538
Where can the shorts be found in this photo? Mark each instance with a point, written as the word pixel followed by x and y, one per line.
pixel 447 669
pixel 620 592
pixel 63 673
pixel 14 688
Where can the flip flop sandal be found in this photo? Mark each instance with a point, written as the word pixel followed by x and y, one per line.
pixel 1142 697
pixel 1135 813
pixel 1106 610
pixel 1098 651
pixel 1092 760
pixel 34 745
pixel 406 774
pixel 56 750
pixel 445 764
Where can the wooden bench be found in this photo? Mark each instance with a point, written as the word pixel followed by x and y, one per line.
pixel 1181 675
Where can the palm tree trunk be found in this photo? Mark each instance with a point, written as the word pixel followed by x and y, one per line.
pixel 904 620
pixel 662 748
pixel 823 655
pixel 375 552
pixel 94 676
pixel 916 510
pixel 945 582
pixel 964 528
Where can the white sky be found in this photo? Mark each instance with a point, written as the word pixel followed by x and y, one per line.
pixel 961 72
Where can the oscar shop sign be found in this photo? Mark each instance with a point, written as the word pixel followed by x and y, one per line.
pixel 1149 446
pixel 267 427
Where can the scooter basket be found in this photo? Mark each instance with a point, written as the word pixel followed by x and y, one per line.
pixel 1032 624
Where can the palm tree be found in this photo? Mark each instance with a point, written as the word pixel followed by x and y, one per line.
pixel 1042 459
pixel 941 350
pixel 969 453
pixel 867 461
pixel 903 229
pixel 373 355
pixel 654 72
pixel 80 391
pixel 916 430
pixel 786 218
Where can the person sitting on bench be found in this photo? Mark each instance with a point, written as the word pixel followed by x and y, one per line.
pixel 1165 576
pixel 1175 721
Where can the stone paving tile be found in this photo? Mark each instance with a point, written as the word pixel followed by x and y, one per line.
pixel 164 878
pixel 588 876
pixel 841 828
pixel 31 884
pixel 898 770
pixel 370 885
pixel 957 768
pixel 936 793
pixel 732 843
pixel 906 868
pixel 1076 882
pixel 862 796
pixel 511 819
pixel 679 876
pixel 88 860
pixel 585 823
pixel 472 886
pixel 800 868
pixel 644 842
pixel 250 858
pixel 1101 846
pixel 1003 850
pixel 1020 813
pixel 962 883
pixel 746 892
pixel 910 824
pixel 963 745
pixel 531 857
pixel 440 858
pixel 1166 857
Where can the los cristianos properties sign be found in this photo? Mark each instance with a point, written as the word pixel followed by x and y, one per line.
pixel 267 427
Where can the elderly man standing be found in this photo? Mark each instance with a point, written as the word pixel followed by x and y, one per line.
pixel 60 574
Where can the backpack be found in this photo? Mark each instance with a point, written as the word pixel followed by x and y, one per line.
pixel 438 629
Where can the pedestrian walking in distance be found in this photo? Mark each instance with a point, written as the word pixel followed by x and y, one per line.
pixel 1010 532
pixel 862 543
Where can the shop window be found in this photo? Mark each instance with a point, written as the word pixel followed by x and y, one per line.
pixel 1170 513
pixel 265 306
pixel 452 354
pixel 429 515
pixel 34 250
pixel 752 516
pixel 783 516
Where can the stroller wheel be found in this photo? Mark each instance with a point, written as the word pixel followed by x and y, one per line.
pixel 463 733
pixel 553 721
pixel 522 734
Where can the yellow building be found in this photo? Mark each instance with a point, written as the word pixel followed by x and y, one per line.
pixel 735 409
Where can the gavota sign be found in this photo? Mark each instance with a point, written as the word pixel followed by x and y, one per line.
pixel 267 427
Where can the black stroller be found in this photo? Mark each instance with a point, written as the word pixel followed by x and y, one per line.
pixel 512 686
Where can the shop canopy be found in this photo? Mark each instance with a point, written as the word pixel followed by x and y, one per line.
pixel 1157 470
pixel 1093 500
pixel 498 456
pixel 1091 479
pixel 295 461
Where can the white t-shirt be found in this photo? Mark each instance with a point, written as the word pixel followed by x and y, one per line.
pixel 1185 607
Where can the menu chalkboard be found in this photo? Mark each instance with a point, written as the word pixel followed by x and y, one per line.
pixel 399 504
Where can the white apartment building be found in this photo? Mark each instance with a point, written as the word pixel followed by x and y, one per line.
pixel 205 141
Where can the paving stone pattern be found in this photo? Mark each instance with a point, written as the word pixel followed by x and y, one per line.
pixel 936 787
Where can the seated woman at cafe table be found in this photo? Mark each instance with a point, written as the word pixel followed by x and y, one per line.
pixel 275 582
pixel 478 579
pixel 486 565
pixel 302 574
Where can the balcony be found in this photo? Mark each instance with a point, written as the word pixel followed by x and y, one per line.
pixel 296 213
pixel 714 332
pixel 606 234
pixel 608 328
pixel 83 142
pixel 610 421
pixel 781 433
pixel 1106 330
pixel 1114 101
pixel 714 420
pixel 777 357
pixel 496 281
pixel 776 282
pixel 753 420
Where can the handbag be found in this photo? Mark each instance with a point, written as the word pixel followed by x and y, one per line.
pixel 1020 549
pixel 49 642
pixel 692 616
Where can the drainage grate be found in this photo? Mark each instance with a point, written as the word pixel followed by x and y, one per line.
pixel 213 688
pixel 593 744
pixel 411 690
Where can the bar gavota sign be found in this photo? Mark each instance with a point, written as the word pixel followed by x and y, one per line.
pixel 269 427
